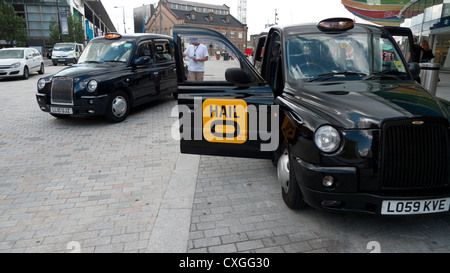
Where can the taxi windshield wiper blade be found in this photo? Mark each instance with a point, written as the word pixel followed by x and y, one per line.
pixel 113 61
pixel 91 62
pixel 333 75
pixel 386 73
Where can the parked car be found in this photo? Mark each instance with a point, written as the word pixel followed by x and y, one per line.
pixel 336 107
pixel 114 74
pixel 19 62
pixel 66 53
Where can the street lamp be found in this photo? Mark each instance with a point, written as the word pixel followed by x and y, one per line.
pixel 123 8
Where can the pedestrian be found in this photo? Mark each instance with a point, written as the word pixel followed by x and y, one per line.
pixel 427 53
pixel 198 54
pixel 417 53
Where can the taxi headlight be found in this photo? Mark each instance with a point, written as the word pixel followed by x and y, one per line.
pixel 15 65
pixel 327 139
pixel 41 84
pixel 92 86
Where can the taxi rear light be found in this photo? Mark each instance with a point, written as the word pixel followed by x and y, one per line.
pixel 336 24
pixel 113 36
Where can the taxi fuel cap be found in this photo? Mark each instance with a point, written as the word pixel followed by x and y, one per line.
pixel 336 24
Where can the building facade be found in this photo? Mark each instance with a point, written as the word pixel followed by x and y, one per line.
pixel 428 19
pixel 39 13
pixel 176 12
pixel 141 15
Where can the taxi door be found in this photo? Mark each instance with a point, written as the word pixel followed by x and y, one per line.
pixel 230 112
pixel 144 75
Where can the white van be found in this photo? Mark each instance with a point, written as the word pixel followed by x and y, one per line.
pixel 66 53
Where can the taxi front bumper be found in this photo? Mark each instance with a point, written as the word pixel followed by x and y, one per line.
pixel 344 195
pixel 85 105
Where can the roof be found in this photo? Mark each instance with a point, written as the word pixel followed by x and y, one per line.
pixel 101 12
pixel 387 12
pixel 312 28
pixel 202 18
pixel 197 4
pixel 138 36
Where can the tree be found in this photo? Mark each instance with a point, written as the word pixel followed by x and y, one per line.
pixel 12 26
pixel 76 32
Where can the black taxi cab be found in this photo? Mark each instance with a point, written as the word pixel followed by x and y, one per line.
pixel 335 106
pixel 114 73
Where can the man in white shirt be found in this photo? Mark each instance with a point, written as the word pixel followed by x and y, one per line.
pixel 198 54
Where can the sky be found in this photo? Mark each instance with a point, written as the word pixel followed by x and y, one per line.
pixel 259 12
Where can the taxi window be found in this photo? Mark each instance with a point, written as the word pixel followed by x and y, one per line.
pixel 220 58
pixel 103 51
pixel 353 57
pixel 164 51
pixel 144 50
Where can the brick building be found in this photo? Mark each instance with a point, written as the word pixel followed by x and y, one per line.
pixel 176 12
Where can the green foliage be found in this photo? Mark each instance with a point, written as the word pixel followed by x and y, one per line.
pixel 12 26
pixel 76 32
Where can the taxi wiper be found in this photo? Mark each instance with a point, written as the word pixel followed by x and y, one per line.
pixel 91 62
pixel 386 73
pixel 113 61
pixel 333 75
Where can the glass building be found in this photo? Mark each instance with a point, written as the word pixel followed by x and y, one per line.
pixel 428 20
pixel 39 13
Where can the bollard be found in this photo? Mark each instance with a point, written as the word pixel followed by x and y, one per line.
pixel 429 74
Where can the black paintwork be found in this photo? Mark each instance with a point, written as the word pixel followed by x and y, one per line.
pixel 141 82
pixel 359 110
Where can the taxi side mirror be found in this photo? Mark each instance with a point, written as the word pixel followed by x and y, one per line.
pixel 238 76
pixel 142 60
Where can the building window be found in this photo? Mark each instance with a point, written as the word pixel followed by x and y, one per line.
pixel 240 35
pixel 232 34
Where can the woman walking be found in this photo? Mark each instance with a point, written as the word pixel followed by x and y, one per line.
pixel 427 53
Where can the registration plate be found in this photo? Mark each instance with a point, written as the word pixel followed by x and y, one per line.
pixel 61 60
pixel 415 206
pixel 61 110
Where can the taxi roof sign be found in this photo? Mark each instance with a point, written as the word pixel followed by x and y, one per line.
pixel 336 24
pixel 113 36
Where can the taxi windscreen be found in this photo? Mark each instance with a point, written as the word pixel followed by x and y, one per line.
pixel 343 57
pixel 103 51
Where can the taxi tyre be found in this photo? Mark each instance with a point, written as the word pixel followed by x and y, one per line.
pixel 26 73
pixel 290 190
pixel 118 107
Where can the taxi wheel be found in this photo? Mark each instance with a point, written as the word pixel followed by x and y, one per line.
pixel 118 107
pixel 290 191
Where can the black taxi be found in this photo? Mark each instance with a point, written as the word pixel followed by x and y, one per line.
pixel 114 73
pixel 335 106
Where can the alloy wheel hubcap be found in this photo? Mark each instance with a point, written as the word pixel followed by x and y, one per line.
pixel 283 170
pixel 119 106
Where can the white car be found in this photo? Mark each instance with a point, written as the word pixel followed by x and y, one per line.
pixel 20 62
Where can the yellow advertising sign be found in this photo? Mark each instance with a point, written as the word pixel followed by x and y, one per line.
pixel 225 120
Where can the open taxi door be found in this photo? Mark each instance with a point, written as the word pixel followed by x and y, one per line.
pixel 405 40
pixel 230 112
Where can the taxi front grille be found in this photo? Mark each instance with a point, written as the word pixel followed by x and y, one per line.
pixel 414 156
pixel 62 91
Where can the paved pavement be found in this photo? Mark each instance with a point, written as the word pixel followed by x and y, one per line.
pixel 83 184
